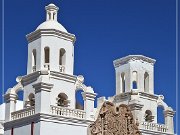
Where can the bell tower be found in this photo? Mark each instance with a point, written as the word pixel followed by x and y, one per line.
pixel 50 103
pixel 134 73
pixel 51 47
pixel 135 88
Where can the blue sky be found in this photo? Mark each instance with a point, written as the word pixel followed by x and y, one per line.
pixel 105 30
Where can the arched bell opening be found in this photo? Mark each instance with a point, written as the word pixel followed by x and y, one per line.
pixel 134 80
pixel 148 116
pixel 62 100
pixel 79 100
pixel 134 85
pixel 123 82
pixel 20 94
pixel 31 99
pixel 20 97
pixel 160 115
pixel 146 82
pixel 62 59
pixel 34 59
pixel 46 58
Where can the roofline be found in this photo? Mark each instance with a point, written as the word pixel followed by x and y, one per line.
pixel 50 32
pixel 126 59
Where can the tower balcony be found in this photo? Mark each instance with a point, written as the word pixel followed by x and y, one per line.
pixel 54 110
pixel 23 113
pixel 161 128
pixel 67 112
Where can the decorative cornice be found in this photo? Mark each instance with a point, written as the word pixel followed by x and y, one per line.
pixel 41 86
pixel 129 58
pixel 169 112
pixel 63 76
pixel 135 105
pixel 10 97
pixel 89 96
pixel 50 32
pixel 48 118
pixel 148 95
pixel 127 95
pixel 32 77
pixel 27 79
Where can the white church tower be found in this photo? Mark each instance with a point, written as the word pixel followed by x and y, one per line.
pixel 135 87
pixel 49 87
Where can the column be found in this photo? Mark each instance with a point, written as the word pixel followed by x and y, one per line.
pixel 42 97
pixel 169 114
pixel 89 98
pixel 10 105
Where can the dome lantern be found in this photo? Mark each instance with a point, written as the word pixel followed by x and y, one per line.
pixel 51 19
pixel 51 12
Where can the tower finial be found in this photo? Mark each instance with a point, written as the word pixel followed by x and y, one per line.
pixel 51 12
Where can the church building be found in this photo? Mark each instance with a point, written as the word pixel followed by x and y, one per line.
pixel 49 92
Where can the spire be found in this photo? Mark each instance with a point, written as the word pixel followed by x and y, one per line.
pixel 51 12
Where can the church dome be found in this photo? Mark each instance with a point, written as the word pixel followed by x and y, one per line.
pixel 51 19
pixel 51 25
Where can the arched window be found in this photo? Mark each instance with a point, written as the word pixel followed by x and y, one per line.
pixel 34 60
pixel 49 16
pixel 134 85
pixel 146 82
pixel 18 103
pixel 134 78
pixel 123 87
pixel 148 116
pixel 46 55
pixel 20 94
pixel 79 100
pixel 62 59
pixel 62 100
pixel 160 114
pixel 62 56
pixel 31 99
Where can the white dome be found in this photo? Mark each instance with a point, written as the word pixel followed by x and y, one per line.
pixel 51 24
pixel 52 5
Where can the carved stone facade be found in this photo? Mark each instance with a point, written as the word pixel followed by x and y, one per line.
pixel 114 120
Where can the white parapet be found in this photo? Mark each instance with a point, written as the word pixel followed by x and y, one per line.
pixel 154 127
pixel 67 112
pixel 22 113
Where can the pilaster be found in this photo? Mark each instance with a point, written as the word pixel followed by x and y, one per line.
pixel 10 106
pixel 136 109
pixel 169 114
pixel 42 97
pixel 89 98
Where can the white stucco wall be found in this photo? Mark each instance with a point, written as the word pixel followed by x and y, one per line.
pixel 63 129
pixel 19 106
pixel 54 44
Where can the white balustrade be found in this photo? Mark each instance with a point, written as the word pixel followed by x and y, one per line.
pixel 22 113
pixel 67 112
pixel 154 127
